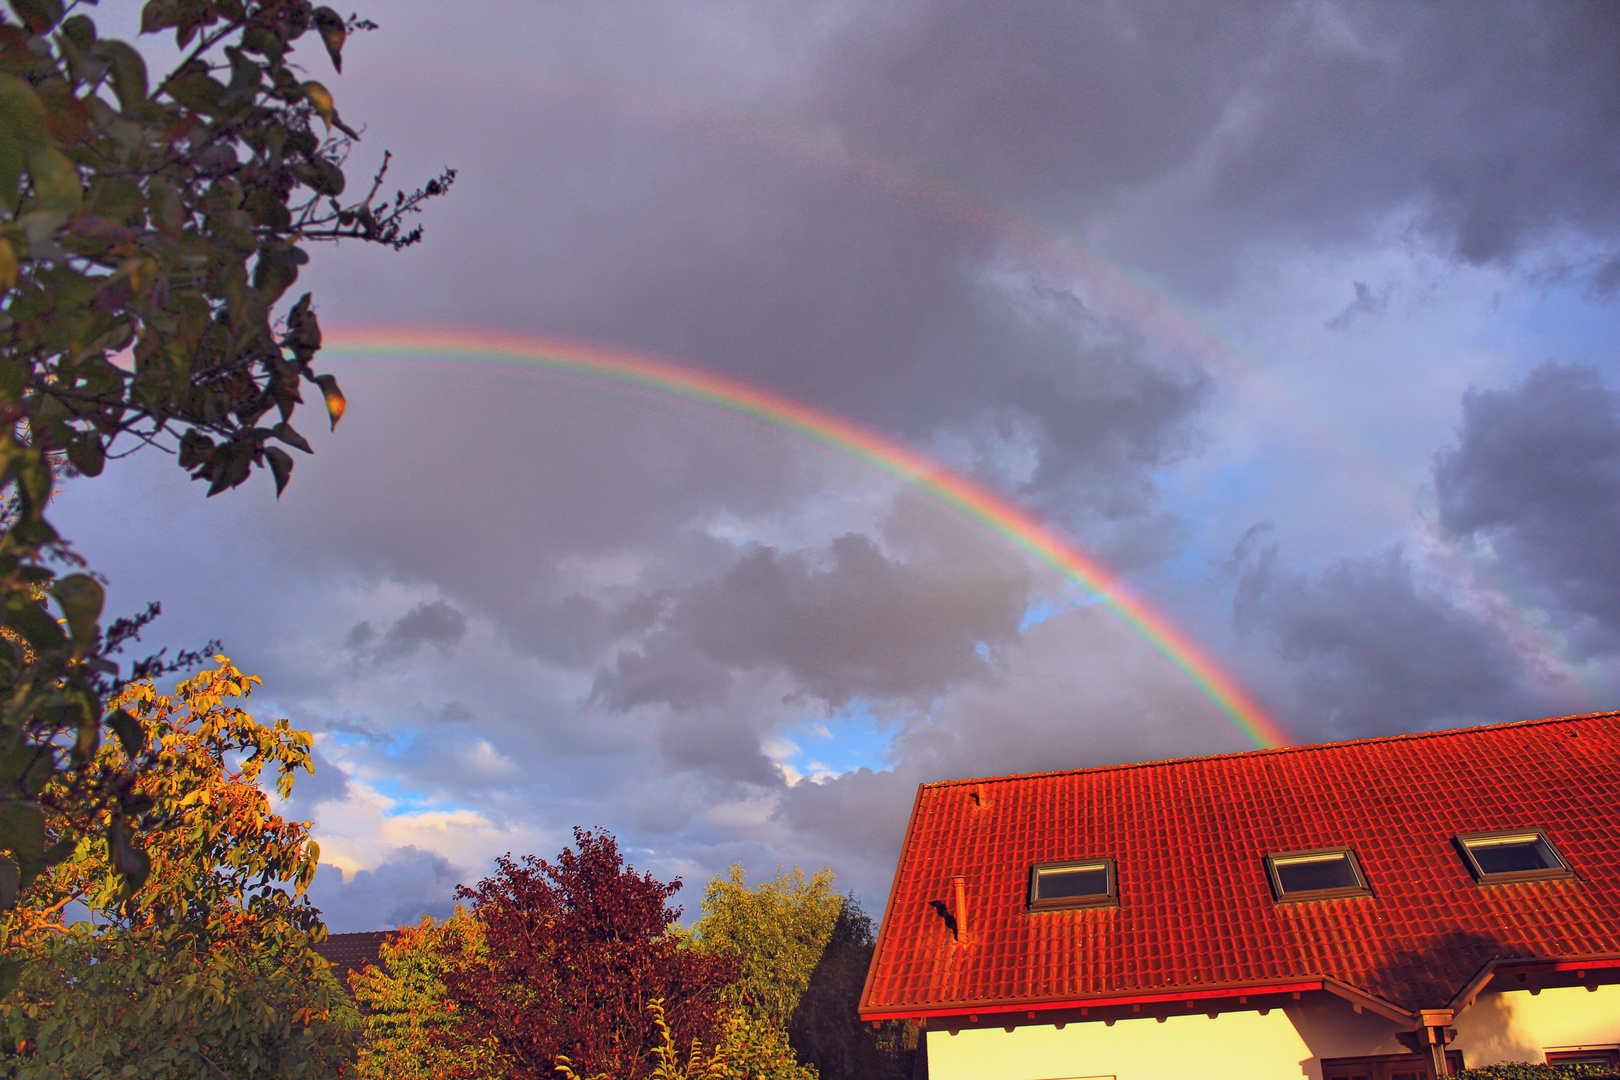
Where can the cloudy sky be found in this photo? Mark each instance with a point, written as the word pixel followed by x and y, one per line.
pixel 1299 317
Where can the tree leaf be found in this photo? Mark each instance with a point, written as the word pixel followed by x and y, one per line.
pixel 80 597
pixel 22 832
pixel 281 467
pixel 87 453
pixel 56 180
pixel 286 434
pixel 128 861
pixel 335 401
pixel 38 15
pixel 320 98
pixel 10 879
pixel 330 26
pixel 128 72
pixel 131 735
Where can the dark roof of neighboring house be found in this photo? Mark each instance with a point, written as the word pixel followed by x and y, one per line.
pixel 352 952
pixel 1196 916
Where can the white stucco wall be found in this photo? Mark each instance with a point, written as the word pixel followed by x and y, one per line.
pixel 1234 1046
pixel 1285 1044
pixel 1519 1026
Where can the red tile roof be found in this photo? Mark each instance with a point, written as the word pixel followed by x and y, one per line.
pixel 1196 913
pixel 352 952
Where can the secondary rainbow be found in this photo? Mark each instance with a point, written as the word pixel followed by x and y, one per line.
pixel 1245 715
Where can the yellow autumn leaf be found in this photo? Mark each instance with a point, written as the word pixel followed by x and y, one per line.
pixel 320 98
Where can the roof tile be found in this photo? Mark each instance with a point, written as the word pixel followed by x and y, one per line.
pixel 1188 838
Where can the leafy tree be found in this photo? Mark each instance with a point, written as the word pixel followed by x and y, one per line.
pixel 165 220
pixel 803 952
pixel 209 970
pixel 576 950
pixel 1519 1070
pixel 778 932
pixel 745 1053
pixel 408 1024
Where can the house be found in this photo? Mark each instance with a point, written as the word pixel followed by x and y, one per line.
pixel 1383 909
pixel 352 952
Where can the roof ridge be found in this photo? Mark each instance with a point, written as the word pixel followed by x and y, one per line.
pixel 1302 748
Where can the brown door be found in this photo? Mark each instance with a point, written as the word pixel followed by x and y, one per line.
pixel 1385 1067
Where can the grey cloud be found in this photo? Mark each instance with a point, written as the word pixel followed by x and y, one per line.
pixel 327 783
pixel 408 884
pixel 1495 124
pixel 860 625
pixel 1536 474
pixel 1371 651
pixel 436 623
pixel 1368 302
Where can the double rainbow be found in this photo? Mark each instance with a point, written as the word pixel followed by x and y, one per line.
pixel 1244 714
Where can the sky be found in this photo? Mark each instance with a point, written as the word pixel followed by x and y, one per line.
pixel 1297 318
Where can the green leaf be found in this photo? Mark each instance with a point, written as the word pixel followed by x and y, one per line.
pixel 128 861
pixel 87 454
pixel 56 181
pixel 160 15
pixel 80 597
pixel 128 72
pixel 38 15
pixel 22 131
pixel 195 449
pixel 281 467
pixel 10 972
pixel 131 735
pixel 80 30
pixel 286 434
pixel 22 831
pixel 321 175
pixel 29 620
pixel 333 33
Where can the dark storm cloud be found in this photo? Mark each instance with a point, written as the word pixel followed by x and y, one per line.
pixel 328 782
pixel 1371 651
pixel 1492 125
pixel 862 625
pixel 436 623
pixel 410 883
pixel 1536 474
pixel 1368 302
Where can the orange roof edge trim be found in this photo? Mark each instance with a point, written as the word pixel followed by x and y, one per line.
pixel 1303 748
pixel 996 1008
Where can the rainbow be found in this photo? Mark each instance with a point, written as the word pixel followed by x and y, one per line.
pixel 1245 715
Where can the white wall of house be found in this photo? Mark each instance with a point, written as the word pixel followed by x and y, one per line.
pixel 1520 1026
pixel 1233 1046
pixel 1285 1044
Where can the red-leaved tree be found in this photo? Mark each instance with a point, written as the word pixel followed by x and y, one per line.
pixel 575 951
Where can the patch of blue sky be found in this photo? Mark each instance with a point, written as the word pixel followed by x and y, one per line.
pixel 854 737
pixel 1046 607
pixel 1568 327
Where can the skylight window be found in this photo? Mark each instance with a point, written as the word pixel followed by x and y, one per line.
pixel 1524 855
pixel 1321 874
pixel 1080 883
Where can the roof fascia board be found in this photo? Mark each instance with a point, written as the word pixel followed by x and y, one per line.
pixel 997 1008
pixel 1372 1002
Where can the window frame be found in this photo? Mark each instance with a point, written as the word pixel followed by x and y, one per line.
pixel 1062 903
pixel 1281 896
pixel 1562 872
pixel 1566 1056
